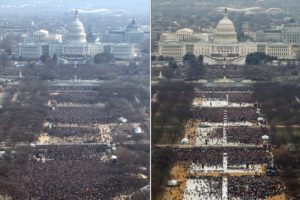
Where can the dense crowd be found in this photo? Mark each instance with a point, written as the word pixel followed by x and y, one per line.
pixel 245 97
pixel 244 114
pixel 66 72
pixel 59 131
pixel 234 114
pixel 70 152
pixel 241 97
pixel 228 139
pixel 219 71
pixel 216 133
pixel 72 88
pixel 254 187
pixel 250 155
pixel 79 172
pixel 245 187
pixel 245 134
pixel 235 135
pixel 209 156
pixel 84 97
pixel 223 89
pixel 82 115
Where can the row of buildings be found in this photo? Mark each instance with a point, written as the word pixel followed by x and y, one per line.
pixel 73 46
pixel 288 33
pixel 221 46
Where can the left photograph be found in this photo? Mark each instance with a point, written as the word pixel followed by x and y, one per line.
pixel 74 100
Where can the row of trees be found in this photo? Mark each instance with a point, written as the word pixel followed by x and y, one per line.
pixel 103 58
pixel 259 58
pixel 280 104
pixel 190 58
pixel 22 118
pixel 187 58
pixel 194 65
pixel 169 114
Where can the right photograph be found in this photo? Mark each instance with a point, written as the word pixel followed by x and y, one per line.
pixel 225 100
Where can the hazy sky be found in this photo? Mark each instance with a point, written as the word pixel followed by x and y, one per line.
pixel 42 6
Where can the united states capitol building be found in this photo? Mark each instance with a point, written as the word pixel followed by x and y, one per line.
pixel 221 46
pixel 73 47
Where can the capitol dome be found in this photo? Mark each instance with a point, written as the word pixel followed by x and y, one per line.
pixel 225 31
pixel 76 31
pixel 132 27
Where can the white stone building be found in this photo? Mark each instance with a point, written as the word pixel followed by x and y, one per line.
pixel 131 34
pixel 123 51
pixel 219 45
pixel 71 47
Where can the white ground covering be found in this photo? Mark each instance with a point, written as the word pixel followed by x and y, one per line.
pixel 214 124
pixel 202 137
pixel 243 168
pixel 220 104
pixel 224 188
pixel 200 189
pixel 198 168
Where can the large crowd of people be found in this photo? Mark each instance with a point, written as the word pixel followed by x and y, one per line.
pixel 228 140
pixel 60 131
pixel 223 89
pixel 213 156
pixel 82 115
pixel 219 71
pixel 70 152
pixel 84 97
pixel 245 97
pixel 237 135
pixel 241 155
pixel 80 172
pixel 255 187
pixel 87 171
pixel 72 104
pixel 234 114
pixel 245 134
pixel 103 72
pixel 245 187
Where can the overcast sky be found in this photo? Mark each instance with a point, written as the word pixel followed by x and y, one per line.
pixel 45 6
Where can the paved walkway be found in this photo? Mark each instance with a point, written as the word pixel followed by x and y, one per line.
pixel 225 188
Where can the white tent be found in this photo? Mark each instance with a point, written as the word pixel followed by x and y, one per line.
pixel 122 119
pixel 138 130
pixel 2 153
pixel 184 141
pixel 172 183
pixel 32 145
pixel 142 176
pixel 260 119
pixel 143 168
pixel 265 137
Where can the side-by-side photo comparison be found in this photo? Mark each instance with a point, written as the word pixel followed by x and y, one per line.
pixel 149 100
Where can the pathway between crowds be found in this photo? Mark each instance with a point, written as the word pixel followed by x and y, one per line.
pixel 225 188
